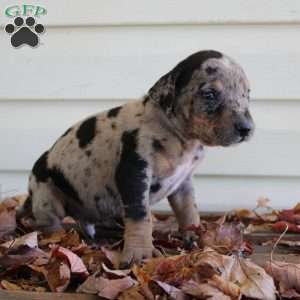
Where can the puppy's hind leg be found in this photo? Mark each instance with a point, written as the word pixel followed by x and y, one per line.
pixel 47 207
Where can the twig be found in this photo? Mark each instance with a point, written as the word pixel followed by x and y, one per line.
pixel 277 242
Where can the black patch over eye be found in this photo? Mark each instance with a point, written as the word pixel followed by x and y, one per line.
pixel 208 94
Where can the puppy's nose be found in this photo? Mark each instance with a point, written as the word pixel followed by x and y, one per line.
pixel 243 129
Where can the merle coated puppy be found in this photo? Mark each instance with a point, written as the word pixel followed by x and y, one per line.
pixel 119 162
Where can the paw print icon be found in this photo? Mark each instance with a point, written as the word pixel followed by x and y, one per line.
pixel 24 33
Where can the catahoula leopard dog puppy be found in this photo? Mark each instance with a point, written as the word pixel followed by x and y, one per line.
pixel 120 162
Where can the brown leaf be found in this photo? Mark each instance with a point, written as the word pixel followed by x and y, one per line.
pixel 251 228
pixel 10 286
pixel 118 273
pixel 22 256
pixel 112 255
pixel 263 202
pixel 204 291
pixel 223 237
pixel 52 238
pixel 76 264
pixel 29 240
pixel 253 281
pixel 93 259
pixel 133 293
pixel 71 239
pixel 58 275
pixel 172 291
pixel 226 274
pixel 68 239
pixel 287 275
pixel 297 208
pixel 107 288
pixel 7 217
pixel 33 288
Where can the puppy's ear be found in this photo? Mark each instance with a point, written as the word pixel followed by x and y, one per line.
pixel 163 92
pixel 169 87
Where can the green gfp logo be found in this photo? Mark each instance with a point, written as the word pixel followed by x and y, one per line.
pixel 25 10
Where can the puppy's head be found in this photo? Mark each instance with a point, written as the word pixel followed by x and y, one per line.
pixel 208 93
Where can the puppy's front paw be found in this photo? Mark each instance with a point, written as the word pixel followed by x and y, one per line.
pixel 137 242
pixel 135 254
pixel 189 238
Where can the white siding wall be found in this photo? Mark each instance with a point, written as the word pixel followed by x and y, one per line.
pixel 98 54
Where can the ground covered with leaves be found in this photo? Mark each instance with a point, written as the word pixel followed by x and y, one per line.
pixel 217 264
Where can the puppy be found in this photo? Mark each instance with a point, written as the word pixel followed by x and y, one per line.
pixel 118 163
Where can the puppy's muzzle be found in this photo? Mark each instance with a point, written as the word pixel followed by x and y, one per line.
pixel 244 128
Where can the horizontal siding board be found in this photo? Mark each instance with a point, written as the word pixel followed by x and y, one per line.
pixel 269 153
pixel 30 127
pixel 212 192
pixel 230 192
pixel 115 12
pixel 124 62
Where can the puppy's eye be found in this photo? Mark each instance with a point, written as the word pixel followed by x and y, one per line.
pixel 208 94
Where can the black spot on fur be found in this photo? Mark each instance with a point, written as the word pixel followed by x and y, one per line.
pixel 40 169
pixel 167 103
pixel 138 115
pixel 210 70
pixel 88 153
pixel 64 184
pixel 135 212
pixel 110 192
pixel 157 146
pixel 185 69
pixel 155 188
pixel 86 132
pixel 114 112
pixel 96 198
pixel 113 126
pixel 131 178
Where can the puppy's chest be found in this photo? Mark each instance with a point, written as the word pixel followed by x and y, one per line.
pixel 172 168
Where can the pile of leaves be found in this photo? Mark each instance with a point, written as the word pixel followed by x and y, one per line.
pixel 216 264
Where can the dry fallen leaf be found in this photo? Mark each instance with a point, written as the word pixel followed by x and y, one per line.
pixel 58 275
pixel 253 281
pixel 133 293
pixel 7 217
pixel 289 215
pixel 9 286
pixel 29 240
pixel 76 264
pixel 119 273
pixel 204 291
pixel 280 226
pixel 222 237
pixel 287 275
pixel 107 288
pixel 52 238
pixel 172 291
pixel 227 274
pixel 264 227
pixel 263 202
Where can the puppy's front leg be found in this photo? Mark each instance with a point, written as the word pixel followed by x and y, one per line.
pixel 138 235
pixel 183 204
pixel 133 179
